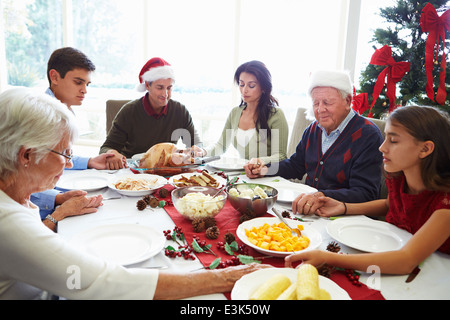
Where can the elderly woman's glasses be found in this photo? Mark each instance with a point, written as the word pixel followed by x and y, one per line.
pixel 68 154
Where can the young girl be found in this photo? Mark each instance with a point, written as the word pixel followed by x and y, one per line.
pixel 416 158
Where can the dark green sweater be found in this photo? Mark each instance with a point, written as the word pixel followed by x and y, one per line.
pixel 134 131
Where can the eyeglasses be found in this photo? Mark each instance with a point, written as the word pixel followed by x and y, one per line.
pixel 68 154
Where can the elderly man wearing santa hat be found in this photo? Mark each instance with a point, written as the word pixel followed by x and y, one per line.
pixel 338 152
pixel 149 120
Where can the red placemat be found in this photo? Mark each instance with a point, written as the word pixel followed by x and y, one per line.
pixel 228 221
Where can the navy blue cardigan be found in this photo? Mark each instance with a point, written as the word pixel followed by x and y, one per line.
pixel 349 171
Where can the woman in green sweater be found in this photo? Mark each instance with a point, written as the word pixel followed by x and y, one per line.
pixel 257 128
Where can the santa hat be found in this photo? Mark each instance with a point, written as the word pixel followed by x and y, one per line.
pixel 331 78
pixel 155 69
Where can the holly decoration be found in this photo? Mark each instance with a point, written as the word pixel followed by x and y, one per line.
pixel 199 246
pixel 184 249
pixel 239 255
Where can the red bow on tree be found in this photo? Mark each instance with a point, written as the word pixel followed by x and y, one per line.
pixel 394 72
pixel 433 24
pixel 360 102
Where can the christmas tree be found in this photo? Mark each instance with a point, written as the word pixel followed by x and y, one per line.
pixel 407 41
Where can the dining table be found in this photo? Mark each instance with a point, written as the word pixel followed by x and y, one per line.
pixel 119 211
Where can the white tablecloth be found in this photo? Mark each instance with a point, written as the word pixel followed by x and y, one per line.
pixel 433 282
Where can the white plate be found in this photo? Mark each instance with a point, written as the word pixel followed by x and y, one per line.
pixel 86 180
pixel 219 179
pixel 228 164
pixel 313 235
pixel 287 195
pixel 368 235
pixel 160 181
pixel 246 285
pixel 124 244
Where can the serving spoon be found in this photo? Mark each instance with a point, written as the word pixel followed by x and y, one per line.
pixel 294 230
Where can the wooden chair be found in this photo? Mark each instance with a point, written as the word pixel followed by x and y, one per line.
pixel 112 108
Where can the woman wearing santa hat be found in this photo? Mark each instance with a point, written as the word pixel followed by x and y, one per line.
pixel 152 119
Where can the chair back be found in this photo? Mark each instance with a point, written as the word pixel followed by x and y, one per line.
pixel 112 108
pixel 300 124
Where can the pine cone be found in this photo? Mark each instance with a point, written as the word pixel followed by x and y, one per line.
pixel 244 218
pixel 247 215
pixel 229 237
pixel 198 225
pixel 325 270
pixel 154 202
pixel 333 247
pixel 250 213
pixel 212 232
pixel 147 198
pixel 141 205
pixel 163 192
pixel 285 214
pixel 209 222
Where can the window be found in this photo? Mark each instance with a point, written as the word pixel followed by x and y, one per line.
pixel 280 34
pixel 204 40
pixel 369 21
pixel 32 30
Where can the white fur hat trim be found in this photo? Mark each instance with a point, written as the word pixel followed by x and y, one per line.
pixel 331 78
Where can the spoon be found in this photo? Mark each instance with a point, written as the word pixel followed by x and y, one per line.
pixel 229 183
pixel 294 230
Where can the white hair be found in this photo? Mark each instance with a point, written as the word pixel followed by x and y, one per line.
pixel 31 120
pixel 309 112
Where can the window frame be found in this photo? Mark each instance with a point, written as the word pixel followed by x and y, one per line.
pixel 345 57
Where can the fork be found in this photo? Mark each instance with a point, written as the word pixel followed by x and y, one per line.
pixel 112 198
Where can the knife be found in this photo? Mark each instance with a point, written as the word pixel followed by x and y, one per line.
pixel 413 274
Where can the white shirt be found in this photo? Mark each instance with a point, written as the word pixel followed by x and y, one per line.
pixel 35 259
pixel 243 137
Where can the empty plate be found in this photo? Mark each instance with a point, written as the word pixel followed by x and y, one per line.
pixel 368 235
pixel 124 244
pixel 228 164
pixel 86 180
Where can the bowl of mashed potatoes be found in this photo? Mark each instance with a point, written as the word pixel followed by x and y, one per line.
pixel 252 198
pixel 198 202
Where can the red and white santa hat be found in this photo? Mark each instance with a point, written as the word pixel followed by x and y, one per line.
pixel 155 69
pixel 331 78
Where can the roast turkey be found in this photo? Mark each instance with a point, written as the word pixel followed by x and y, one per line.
pixel 163 155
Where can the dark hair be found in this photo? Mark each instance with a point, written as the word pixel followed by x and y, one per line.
pixel 67 59
pixel 266 103
pixel 429 124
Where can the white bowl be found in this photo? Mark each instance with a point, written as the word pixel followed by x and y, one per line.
pixel 313 235
pixel 155 182
pixel 221 181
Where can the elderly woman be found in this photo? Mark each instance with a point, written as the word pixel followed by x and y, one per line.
pixel 36 135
